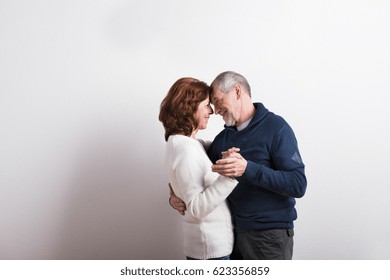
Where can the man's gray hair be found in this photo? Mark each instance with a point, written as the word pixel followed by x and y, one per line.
pixel 226 80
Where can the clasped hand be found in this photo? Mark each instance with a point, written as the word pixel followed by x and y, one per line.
pixel 231 165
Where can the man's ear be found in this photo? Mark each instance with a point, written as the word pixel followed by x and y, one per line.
pixel 237 91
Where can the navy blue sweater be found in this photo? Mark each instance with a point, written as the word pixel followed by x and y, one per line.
pixel 274 177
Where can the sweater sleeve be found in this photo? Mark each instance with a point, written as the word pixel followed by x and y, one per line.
pixel 287 176
pixel 212 152
pixel 191 171
pixel 205 143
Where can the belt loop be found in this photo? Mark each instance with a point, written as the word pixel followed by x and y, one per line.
pixel 290 232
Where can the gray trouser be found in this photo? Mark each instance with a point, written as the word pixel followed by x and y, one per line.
pixel 273 244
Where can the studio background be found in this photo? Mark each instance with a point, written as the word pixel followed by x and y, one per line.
pixel 81 147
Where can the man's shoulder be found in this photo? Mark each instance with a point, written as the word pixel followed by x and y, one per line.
pixel 270 117
pixel 276 119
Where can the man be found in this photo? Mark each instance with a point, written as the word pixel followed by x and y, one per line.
pixel 267 164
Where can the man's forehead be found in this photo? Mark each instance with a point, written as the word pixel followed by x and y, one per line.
pixel 216 93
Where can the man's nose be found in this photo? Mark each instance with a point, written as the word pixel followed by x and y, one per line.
pixel 216 109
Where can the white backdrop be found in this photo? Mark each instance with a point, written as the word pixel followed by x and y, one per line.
pixel 81 147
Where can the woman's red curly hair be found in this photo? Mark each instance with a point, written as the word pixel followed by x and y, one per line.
pixel 177 110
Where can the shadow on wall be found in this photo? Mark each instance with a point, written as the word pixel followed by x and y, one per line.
pixel 117 204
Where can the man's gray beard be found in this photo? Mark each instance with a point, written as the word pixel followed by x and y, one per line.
pixel 230 121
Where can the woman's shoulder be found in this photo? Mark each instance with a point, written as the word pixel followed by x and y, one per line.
pixel 183 145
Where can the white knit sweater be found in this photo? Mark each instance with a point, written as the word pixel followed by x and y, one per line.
pixel 207 224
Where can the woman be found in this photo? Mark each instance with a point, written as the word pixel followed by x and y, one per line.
pixel 207 225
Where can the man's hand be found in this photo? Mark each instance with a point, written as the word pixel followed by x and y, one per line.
pixel 175 202
pixel 232 152
pixel 231 165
